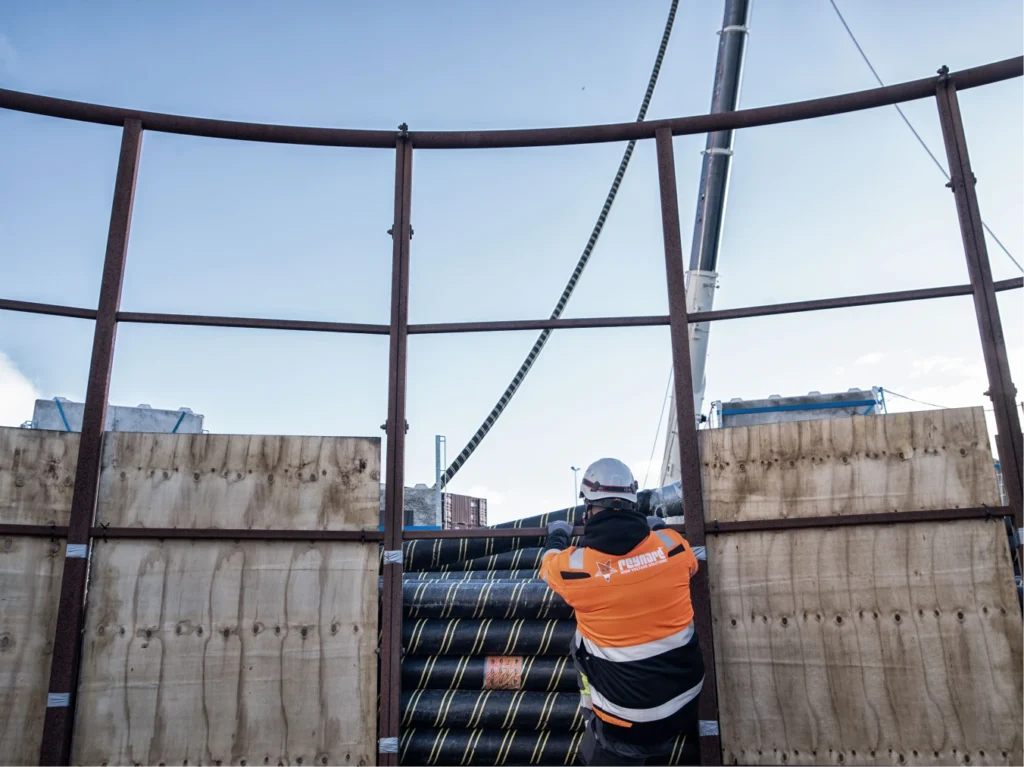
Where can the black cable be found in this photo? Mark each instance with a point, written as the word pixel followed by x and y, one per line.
pixel 517 381
pixel 913 130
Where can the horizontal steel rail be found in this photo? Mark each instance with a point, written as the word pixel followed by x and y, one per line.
pixel 196 534
pixel 33 531
pixel 259 323
pixel 847 520
pixel 56 310
pixel 490 326
pixel 495 139
pixel 714 527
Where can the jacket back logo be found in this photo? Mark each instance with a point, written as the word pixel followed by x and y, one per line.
pixel 606 569
pixel 643 561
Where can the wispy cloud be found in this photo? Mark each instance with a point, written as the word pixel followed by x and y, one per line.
pixel 872 358
pixel 17 394
pixel 8 54
pixel 494 498
pixel 944 366
pixel 947 381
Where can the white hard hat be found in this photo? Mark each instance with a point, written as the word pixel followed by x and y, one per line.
pixel 608 478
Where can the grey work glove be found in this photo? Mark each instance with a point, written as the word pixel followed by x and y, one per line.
pixel 656 523
pixel 559 534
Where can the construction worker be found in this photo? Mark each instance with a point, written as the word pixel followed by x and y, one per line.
pixel 635 650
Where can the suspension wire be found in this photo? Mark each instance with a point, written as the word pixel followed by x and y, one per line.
pixel 542 339
pixel 657 430
pixel 930 405
pixel 918 401
pixel 921 141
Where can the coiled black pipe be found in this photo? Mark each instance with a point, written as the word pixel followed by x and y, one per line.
pixel 432 636
pixel 452 746
pixel 482 599
pixel 522 559
pixel 470 575
pixel 493 710
pixel 537 674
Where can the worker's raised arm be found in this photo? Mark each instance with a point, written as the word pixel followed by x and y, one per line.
pixel 559 535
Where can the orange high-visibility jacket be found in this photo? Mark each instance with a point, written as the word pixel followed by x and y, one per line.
pixel 635 641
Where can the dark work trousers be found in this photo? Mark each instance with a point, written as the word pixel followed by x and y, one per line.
pixel 601 749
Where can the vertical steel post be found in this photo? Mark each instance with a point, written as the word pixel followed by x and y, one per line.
pixel 438 471
pixel 394 494
pixel 67 640
pixel 1000 384
pixel 689 458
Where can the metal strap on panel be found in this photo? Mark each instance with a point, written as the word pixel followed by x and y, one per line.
pixel 735 28
pixel 77 551
pixel 701 553
pixel 58 700
pixel 708 728
pixel 717 150
pixel 392 557
pixel 387 746
pixel 1020 535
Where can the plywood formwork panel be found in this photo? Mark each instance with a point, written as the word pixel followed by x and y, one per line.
pixel 37 475
pixel 229 653
pixel 239 481
pixel 868 645
pixel 936 459
pixel 30 575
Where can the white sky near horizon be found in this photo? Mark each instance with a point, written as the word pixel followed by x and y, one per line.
pixel 842 205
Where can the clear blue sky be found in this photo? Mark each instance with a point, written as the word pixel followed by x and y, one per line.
pixel 843 205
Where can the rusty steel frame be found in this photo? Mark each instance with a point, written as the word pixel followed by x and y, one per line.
pixel 81 531
pixel 491 326
pixel 689 456
pixel 67 645
pixel 993 344
pixel 394 493
pixel 712 527
pixel 507 139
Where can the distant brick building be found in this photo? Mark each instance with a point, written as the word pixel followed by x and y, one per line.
pixel 462 511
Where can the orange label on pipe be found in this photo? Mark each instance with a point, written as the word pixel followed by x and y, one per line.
pixel 502 673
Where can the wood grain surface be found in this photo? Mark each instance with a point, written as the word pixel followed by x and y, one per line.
pixel 30 573
pixel 222 653
pixel 240 481
pixel 37 475
pixel 934 459
pixel 868 645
